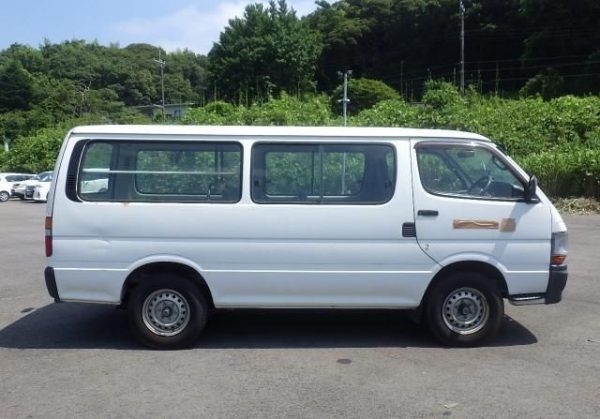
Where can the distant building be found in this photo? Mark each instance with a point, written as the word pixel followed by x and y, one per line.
pixel 172 110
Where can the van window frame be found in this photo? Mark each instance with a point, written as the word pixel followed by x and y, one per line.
pixel 318 145
pixel 75 170
pixel 471 145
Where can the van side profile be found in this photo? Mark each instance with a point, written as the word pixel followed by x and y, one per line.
pixel 174 221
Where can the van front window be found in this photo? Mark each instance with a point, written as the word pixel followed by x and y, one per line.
pixel 469 171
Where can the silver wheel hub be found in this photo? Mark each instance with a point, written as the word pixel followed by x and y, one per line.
pixel 465 311
pixel 165 312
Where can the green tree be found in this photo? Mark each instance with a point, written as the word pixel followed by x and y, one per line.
pixel 267 50
pixel 193 68
pixel 16 87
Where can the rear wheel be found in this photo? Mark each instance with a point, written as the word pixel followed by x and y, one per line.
pixel 464 309
pixel 167 311
pixel 4 196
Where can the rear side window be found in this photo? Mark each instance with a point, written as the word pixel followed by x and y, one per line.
pixel 322 173
pixel 160 172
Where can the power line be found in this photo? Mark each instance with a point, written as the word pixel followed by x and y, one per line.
pixel 407 76
pixel 529 59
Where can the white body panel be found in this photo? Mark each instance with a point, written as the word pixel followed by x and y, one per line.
pixel 287 255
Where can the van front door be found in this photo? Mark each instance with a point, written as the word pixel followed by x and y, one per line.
pixel 470 206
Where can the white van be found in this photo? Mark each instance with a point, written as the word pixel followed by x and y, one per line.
pixel 188 219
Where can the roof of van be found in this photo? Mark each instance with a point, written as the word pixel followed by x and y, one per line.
pixel 284 131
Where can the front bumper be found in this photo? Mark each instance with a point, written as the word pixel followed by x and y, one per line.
pixel 557 280
pixel 556 284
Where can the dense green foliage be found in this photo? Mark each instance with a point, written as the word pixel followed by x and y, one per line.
pixel 286 110
pixel 365 93
pixel 405 42
pixel 266 51
pixel 59 82
pixel 556 140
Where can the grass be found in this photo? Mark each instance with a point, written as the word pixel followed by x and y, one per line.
pixel 577 205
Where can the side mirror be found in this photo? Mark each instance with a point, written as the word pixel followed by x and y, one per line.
pixel 531 189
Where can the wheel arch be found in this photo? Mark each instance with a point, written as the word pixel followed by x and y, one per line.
pixel 149 269
pixel 488 270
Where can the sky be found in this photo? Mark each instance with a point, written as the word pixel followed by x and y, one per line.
pixel 171 24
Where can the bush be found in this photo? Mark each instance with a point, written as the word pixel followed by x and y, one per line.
pixel 441 94
pixel 216 113
pixel 389 113
pixel 35 153
pixel 566 173
pixel 363 94
pixel 287 110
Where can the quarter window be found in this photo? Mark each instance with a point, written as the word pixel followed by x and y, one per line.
pixel 160 171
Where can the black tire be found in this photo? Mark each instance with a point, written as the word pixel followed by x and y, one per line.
pixel 4 196
pixel 464 309
pixel 175 315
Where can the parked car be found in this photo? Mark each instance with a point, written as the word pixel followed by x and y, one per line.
pixel 7 182
pixel 44 183
pixel 40 192
pixel 19 189
pixel 94 185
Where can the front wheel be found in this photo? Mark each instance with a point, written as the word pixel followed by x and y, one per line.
pixel 4 196
pixel 464 309
pixel 167 311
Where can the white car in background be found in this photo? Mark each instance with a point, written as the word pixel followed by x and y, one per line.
pixel 40 188
pixel 25 189
pixel 94 186
pixel 40 193
pixel 19 189
pixel 7 182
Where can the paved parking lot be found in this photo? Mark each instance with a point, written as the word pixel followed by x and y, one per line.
pixel 75 360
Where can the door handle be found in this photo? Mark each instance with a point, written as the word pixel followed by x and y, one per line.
pixel 428 213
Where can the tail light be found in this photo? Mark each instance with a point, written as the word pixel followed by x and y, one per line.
pixel 560 245
pixel 48 236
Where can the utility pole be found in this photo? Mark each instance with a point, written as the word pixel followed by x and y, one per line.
pixel 162 81
pixel 462 47
pixel 345 100
pixel 401 78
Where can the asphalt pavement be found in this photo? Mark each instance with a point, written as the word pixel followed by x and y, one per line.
pixel 80 360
